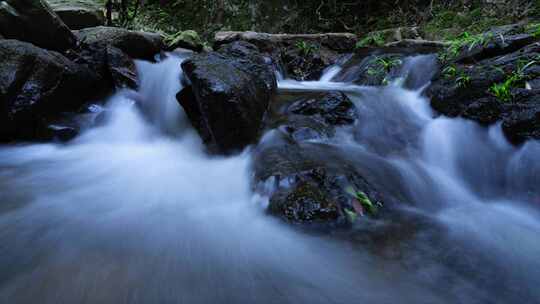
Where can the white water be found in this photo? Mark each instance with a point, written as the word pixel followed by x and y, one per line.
pixel 135 212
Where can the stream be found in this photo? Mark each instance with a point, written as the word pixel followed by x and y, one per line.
pixel 135 211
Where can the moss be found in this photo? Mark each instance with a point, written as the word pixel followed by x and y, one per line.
pixel 449 23
pixel 187 39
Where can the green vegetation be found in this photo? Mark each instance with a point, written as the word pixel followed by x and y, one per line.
pixel 534 29
pixel 361 202
pixel 187 38
pixel 465 42
pixel 503 91
pixel 447 23
pixel 462 79
pixel 305 48
pixel 388 63
pixel 372 39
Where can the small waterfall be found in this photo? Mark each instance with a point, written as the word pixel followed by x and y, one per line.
pixel 133 211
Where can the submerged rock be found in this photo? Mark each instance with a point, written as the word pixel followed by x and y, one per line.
pixel 37 85
pixel 307 183
pixel 78 14
pixel 334 107
pixel 138 45
pixel 229 95
pixel 34 21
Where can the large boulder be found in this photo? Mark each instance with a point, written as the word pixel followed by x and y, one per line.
pixel 36 86
pixel 138 45
pixel 115 69
pixel 78 14
pixel 229 95
pixel 500 88
pixel 35 22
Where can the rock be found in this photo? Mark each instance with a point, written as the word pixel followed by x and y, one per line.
pixel 306 128
pixel 497 41
pixel 186 40
pixel 34 21
pixel 466 90
pixel 372 70
pixel 121 69
pixel 114 68
pixel 342 42
pixel 58 133
pixel 334 107
pixel 521 120
pixel 387 36
pixel 137 45
pixel 229 95
pixel 307 182
pixel 306 203
pixel 78 14
pixel 299 56
pixel 36 86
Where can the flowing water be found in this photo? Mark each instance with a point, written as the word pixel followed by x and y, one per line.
pixel 134 211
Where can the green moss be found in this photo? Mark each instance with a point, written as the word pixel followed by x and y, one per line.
pixel 187 38
pixel 446 22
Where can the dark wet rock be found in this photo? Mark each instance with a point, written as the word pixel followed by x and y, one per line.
pixel 37 85
pixel 307 182
pixel 380 66
pixel 229 95
pixel 137 45
pixel 301 57
pixel 304 65
pixel 58 133
pixel 522 118
pixel 467 92
pixel 34 21
pixel 498 41
pixel 334 107
pixel 306 203
pixel 372 70
pixel 121 68
pixel 311 116
pixel 114 68
pixel 304 128
pixel 78 15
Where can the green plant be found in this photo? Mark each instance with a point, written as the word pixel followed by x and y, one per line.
pixel 503 90
pixel 305 48
pixel 465 41
pixel 388 63
pixel 463 81
pixel 361 202
pixel 534 29
pixel 449 71
pixel 372 39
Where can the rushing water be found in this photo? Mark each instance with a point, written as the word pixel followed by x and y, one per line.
pixel 133 211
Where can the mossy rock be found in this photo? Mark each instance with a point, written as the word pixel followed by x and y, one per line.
pixel 185 39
